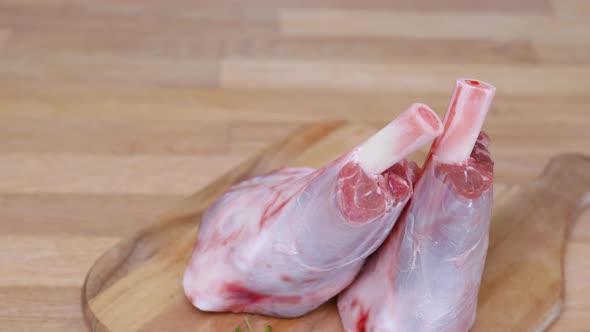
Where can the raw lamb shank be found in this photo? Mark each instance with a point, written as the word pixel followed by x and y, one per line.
pixel 283 243
pixel 426 275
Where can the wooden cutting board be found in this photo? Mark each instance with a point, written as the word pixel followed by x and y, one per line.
pixel 136 285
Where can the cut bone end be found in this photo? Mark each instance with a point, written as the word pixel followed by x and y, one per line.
pixel 469 105
pixel 415 127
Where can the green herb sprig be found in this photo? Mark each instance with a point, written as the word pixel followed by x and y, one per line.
pixel 250 329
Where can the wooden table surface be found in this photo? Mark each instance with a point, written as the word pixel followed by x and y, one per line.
pixel 112 111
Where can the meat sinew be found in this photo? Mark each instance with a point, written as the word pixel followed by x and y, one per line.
pixel 283 243
pixel 426 275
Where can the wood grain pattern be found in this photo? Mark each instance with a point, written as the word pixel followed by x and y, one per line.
pixel 401 77
pixel 136 286
pixel 96 89
pixel 521 289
